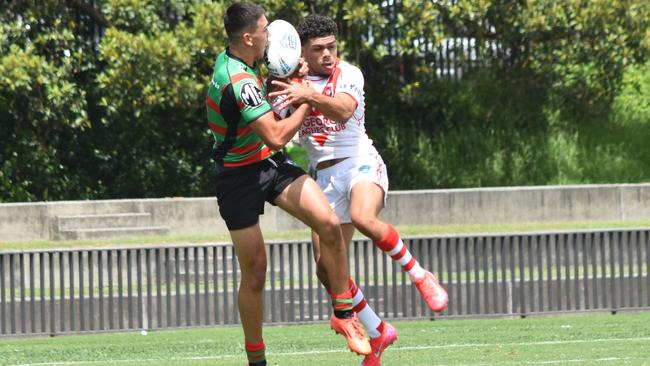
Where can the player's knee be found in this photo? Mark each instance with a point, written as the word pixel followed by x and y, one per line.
pixel 254 273
pixel 255 281
pixel 329 230
pixel 258 282
pixel 363 221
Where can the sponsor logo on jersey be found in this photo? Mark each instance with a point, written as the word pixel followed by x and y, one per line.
pixel 251 95
pixel 311 121
pixel 320 127
pixel 365 169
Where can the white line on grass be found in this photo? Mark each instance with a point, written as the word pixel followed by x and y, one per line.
pixel 393 349
pixel 578 360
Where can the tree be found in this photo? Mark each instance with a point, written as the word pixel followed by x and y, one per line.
pixel 42 99
pixel 105 99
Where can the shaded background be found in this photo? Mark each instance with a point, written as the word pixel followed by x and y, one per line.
pixel 105 99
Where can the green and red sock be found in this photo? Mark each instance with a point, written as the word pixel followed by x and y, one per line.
pixel 342 304
pixel 255 353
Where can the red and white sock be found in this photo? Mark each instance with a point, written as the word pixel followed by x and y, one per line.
pixel 366 315
pixel 393 245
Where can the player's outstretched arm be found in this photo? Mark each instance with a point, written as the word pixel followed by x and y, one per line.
pixel 276 134
pixel 338 108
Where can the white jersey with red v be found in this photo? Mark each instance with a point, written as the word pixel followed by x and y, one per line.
pixel 325 139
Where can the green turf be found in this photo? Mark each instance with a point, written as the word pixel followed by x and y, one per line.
pixel 304 234
pixel 587 339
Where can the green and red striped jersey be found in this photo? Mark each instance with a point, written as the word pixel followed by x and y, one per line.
pixel 236 97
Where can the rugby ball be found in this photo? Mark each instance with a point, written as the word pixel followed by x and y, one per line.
pixel 283 49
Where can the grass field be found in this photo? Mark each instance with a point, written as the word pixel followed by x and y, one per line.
pixel 587 339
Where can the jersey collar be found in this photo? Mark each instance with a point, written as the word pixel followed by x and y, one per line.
pixel 323 77
pixel 229 54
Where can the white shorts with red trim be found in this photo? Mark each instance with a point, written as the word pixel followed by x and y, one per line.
pixel 337 181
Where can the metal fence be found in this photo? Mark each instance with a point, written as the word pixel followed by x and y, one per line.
pixel 94 290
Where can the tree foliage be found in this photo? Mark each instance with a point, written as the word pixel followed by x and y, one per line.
pixel 105 99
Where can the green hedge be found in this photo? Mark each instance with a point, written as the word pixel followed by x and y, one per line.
pixel 108 102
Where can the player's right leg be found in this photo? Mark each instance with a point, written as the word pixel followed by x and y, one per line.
pixel 366 201
pixel 241 200
pixel 304 200
pixel 251 254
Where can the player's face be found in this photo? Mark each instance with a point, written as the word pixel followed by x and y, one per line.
pixel 260 37
pixel 320 54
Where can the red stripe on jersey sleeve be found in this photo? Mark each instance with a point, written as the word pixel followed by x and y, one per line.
pixel 237 78
pixel 212 105
pixel 243 131
pixel 222 130
pixel 218 129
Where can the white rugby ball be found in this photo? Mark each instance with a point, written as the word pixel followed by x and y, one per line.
pixel 283 49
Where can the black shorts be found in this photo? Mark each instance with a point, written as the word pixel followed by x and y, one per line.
pixel 242 191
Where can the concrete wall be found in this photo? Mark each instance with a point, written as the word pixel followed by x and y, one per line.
pixel 35 221
pixel 520 204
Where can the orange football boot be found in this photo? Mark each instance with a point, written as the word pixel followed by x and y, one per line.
pixel 351 329
pixel 433 293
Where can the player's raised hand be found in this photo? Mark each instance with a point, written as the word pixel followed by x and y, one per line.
pixel 270 87
pixel 294 92
pixel 302 70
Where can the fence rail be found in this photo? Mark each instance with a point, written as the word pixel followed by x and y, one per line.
pixel 95 290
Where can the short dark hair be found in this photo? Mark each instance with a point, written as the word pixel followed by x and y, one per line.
pixel 241 17
pixel 314 26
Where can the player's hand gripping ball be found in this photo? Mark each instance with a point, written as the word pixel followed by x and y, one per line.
pixel 283 49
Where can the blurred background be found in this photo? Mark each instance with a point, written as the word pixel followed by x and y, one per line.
pixel 105 99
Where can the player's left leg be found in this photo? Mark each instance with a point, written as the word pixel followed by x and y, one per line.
pixel 366 201
pixel 381 333
pixel 304 200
